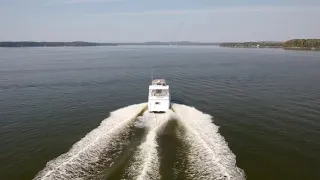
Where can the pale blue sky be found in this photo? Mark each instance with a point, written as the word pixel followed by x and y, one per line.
pixel 158 20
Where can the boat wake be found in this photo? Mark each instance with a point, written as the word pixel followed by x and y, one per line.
pixel 97 150
pixel 145 163
pixel 209 155
pixel 125 146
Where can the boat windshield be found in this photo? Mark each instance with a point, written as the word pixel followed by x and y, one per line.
pixel 159 92
pixel 159 82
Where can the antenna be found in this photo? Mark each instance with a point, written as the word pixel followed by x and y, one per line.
pixel 151 75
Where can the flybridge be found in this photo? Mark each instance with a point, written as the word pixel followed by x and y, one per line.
pixel 159 96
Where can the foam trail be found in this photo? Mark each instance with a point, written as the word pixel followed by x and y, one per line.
pixel 209 155
pixel 96 149
pixel 145 164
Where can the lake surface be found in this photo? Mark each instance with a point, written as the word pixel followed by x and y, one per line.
pixel 265 102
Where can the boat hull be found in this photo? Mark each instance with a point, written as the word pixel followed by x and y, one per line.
pixel 158 105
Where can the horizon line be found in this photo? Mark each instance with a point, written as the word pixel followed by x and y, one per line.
pixel 143 42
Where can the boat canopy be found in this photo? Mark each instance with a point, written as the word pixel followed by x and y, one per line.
pixel 159 82
pixel 158 87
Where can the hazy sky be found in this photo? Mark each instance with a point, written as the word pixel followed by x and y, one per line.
pixel 158 20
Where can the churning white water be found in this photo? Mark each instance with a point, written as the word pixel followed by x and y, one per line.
pixel 145 163
pixel 84 155
pixel 209 156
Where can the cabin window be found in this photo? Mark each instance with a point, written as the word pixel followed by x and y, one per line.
pixel 159 92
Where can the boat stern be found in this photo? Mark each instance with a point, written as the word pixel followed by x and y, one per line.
pixel 158 105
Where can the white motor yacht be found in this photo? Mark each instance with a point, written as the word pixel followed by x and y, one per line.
pixel 159 96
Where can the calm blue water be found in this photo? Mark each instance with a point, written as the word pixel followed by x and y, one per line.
pixel 265 101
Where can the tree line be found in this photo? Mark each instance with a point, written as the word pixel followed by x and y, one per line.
pixel 51 44
pixel 291 44
pixel 253 44
pixel 294 43
pixel 302 43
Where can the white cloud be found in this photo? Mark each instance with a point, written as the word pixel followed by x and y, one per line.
pixel 90 1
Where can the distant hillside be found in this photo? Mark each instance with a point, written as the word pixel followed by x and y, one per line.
pixel 303 44
pixel 307 44
pixel 51 44
pixel 253 44
pixel 180 43
pixel 81 43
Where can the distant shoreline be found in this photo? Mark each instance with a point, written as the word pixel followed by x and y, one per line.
pixel 20 44
pixel 301 49
pixel 294 44
pixel 285 48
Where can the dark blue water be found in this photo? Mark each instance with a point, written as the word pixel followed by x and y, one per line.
pixel 265 101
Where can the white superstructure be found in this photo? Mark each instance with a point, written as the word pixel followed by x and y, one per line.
pixel 159 96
